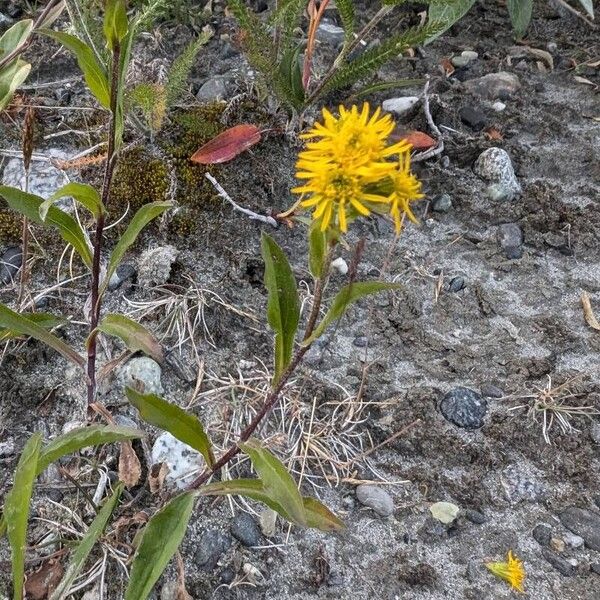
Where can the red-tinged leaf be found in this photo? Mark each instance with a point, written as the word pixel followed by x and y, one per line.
pixel 419 140
pixel 227 145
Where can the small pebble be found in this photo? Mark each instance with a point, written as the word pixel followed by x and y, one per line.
pixel 227 575
pixel 583 522
pixel 142 374
pixel 552 47
pixel 595 567
pixel 360 342
pixel 511 240
pixel 376 498
pixel 498 106
pixel 572 540
pixel 559 563
pixel 442 203
pixel 330 33
pixel 184 463
pixel 212 90
pixel 473 117
pixel 340 265
pixel 501 85
pixel 542 534
pixel 464 407
pixel 491 391
pixel 400 106
pixel 10 263
pixel 210 547
pixel 123 273
pixel 494 165
pixel 475 516
pixel 456 284
pixel 245 529
pixel 557 544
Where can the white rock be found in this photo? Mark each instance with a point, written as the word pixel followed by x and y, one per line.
pixel 143 374
pixel 444 512
pixel 329 32
pixel 184 463
pixel 498 106
pixel 572 540
pixel 154 267
pixel 400 106
pixel 340 265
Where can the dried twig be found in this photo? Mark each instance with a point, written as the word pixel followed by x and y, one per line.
pixel 236 206
pixel 434 128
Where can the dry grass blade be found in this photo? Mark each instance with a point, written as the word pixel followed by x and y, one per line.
pixel 588 313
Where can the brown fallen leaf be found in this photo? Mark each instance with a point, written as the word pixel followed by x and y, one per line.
pixel 588 313
pixel 447 66
pixel 130 469
pixel 227 145
pixel 419 140
pixel 40 584
pixel 157 475
pixel 492 133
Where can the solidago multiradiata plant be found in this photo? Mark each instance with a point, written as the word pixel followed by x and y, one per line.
pixel 348 170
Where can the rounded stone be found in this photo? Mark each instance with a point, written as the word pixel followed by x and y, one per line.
pixel 10 263
pixel 142 374
pixel 184 463
pixel 376 498
pixel 245 529
pixel 464 407
pixel 443 203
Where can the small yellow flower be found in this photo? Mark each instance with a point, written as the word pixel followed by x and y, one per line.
pixel 348 171
pixel 511 570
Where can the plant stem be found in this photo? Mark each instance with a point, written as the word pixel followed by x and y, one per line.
pixel 346 50
pixel 273 395
pixel 96 299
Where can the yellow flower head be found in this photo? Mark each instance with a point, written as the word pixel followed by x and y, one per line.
pixel 511 570
pixel 347 170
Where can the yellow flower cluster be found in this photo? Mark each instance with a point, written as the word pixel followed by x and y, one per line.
pixel 511 570
pixel 348 171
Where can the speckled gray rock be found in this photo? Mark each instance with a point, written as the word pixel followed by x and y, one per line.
pixel 491 391
pixel 584 523
pixel 44 178
pixel 123 273
pixel 10 263
pixel 400 106
pixel 245 529
pixel 559 563
pixel 184 463
pixel 143 374
pixel 376 498
pixel 443 203
pixel 154 266
pixel 494 165
pixel 464 407
pixel 521 483
pixel 211 546
pixel 494 86
pixel 542 534
pixel 510 236
pixel 212 90
pixel 329 32
pixel 572 540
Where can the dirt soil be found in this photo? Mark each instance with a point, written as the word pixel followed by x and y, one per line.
pixel 516 324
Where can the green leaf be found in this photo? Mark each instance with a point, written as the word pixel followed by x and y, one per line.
pixel 316 514
pixel 11 77
pixel 135 336
pixel 45 320
pixel 344 298
pixel 68 228
pixel 446 13
pixel 278 483
pixel 14 37
pixel 17 323
pixel 283 308
pixel 169 417
pixel 142 217
pixel 348 17
pixel 83 193
pixel 93 72
pixel 83 437
pixel 520 15
pixel 160 540
pixel 16 510
pixel 588 6
pixel 95 530
pixel 317 245
pixel 289 79
pixel 115 23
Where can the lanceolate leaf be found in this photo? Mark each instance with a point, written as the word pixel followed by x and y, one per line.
pixel 82 551
pixel 44 320
pixel 278 483
pixel 227 145
pixel 11 77
pixel 316 250
pixel 115 22
pixel 75 440
pixel 283 308
pixel 17 323
pixel 142 217
pixel 15 37
pixel 134 336
pixel 320 517
pixel 160 540
pixel 344 298
pixel 520 15
pixel 179 423
pixel 446 13
pixel 68 228
pixel 16 510
pixel 93 72
pixel 85 194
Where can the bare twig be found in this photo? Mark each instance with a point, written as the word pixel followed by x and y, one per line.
pixel 577 13
pixel 434 128
pixel 236 206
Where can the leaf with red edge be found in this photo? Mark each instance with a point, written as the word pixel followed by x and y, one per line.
pixel 227 145
pixel 419 140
